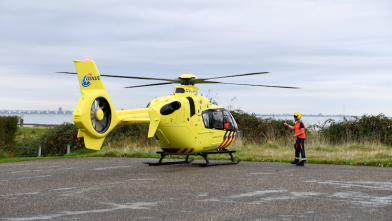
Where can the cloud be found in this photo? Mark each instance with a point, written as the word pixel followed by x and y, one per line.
pixel 333 50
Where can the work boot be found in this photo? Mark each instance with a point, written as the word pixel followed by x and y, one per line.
pixel 294 162
pixel 301 163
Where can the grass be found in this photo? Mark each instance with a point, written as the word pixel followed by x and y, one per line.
pixel 318 151
pixel 368 154
pixel 30 133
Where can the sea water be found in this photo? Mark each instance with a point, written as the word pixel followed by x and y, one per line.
pixel 44 118
pixel 310 120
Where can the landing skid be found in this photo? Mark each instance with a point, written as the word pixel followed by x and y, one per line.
pixel 203 154
pixel 163 154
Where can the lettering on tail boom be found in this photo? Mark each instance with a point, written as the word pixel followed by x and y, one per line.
pixel 87 78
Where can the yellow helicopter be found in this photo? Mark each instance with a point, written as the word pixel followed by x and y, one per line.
pixel 184 123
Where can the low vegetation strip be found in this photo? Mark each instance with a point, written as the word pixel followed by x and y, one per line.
pixel 362 141
pixel 8 128
pixel 358 129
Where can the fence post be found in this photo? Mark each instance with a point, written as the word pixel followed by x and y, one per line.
pixel 68 149
pixel 39 151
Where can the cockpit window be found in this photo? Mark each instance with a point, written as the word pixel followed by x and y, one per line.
pixel 228 122
pixel 219 119
pixel 206 119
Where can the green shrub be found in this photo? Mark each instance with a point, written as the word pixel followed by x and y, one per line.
pixel 358 129
pixel 262 130
pixel 8 128
pixel 28 148
pixel 53 142
pixel 133 133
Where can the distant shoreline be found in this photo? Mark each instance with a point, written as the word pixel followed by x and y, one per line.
pixel 38 113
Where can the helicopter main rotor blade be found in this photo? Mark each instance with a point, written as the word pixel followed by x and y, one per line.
pixel 63 72
pixel 192 81
pixel 200 80
pixel 143 78
pixel 255 85
pixel 132 77
pixel 147 85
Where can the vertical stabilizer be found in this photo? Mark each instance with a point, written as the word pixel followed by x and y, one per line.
pixel 94 114
pixel 88 75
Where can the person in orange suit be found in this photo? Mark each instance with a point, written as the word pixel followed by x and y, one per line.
pixel 299 145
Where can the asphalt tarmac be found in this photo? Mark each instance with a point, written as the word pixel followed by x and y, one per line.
pixel 126 189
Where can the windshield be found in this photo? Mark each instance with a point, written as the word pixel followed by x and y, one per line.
pixel 220 119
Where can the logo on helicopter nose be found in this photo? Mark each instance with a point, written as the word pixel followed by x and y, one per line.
pixel 87 78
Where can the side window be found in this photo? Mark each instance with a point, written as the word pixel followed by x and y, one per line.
pixel 218 120
pixel 206 119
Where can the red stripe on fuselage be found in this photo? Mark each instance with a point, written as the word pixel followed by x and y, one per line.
pixel 227 140
pixel 231 141
pixel 224 139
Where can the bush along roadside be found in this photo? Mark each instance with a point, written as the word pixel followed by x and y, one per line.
pixel 136 133
pixel 8 128
pixel 261 130
pixel 368 128
pixel 53 143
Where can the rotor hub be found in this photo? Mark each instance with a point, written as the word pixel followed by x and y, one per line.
pixel 186 79
pixel 99 114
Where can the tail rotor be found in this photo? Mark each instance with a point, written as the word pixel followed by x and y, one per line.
pixel 100 115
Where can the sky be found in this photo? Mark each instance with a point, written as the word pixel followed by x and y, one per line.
pixel 339 52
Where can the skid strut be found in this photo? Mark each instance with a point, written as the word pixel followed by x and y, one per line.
pixel 205 156
pixel 163 154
